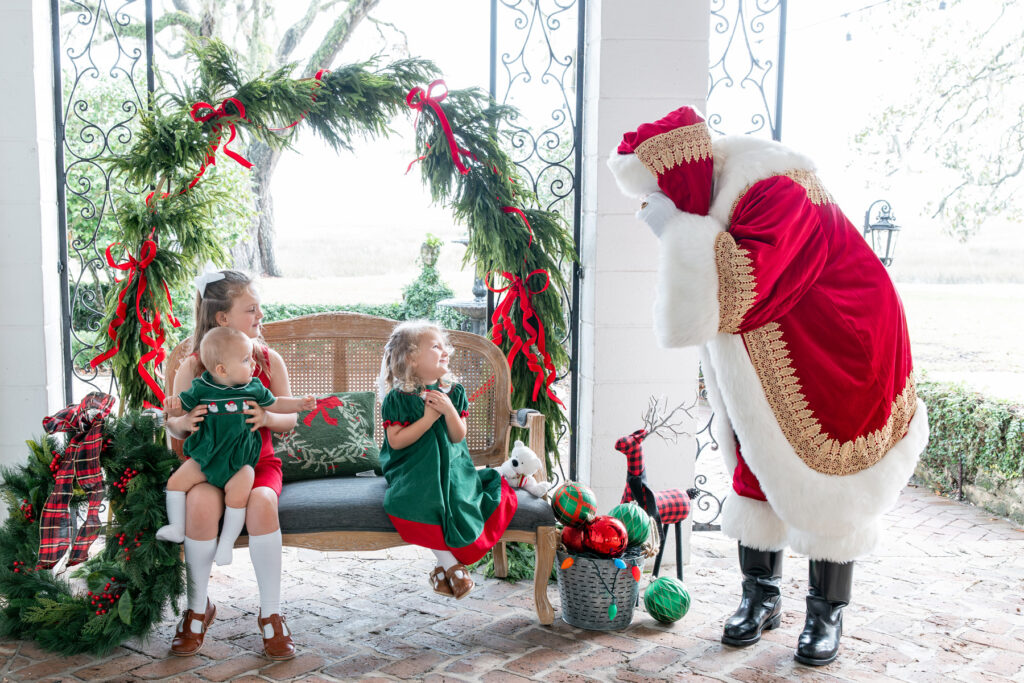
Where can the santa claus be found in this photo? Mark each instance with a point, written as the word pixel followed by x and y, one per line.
pixel 804 349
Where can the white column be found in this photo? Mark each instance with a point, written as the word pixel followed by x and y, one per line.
pixel 31 370
pixel 643 60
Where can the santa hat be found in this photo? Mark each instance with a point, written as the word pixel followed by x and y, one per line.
pixel 673 155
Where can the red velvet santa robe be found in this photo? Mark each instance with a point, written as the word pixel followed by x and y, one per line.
pixel 805 350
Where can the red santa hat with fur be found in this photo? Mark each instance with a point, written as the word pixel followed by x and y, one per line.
pixel 673 155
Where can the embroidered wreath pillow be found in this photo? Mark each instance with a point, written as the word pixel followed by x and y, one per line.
pixel 333 439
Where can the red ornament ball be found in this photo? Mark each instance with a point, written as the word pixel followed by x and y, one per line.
pixel 572 538
pixel 606 536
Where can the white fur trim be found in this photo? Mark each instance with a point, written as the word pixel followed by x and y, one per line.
pixel 753 523
pixel 686 300
pixel 633 178
pixel 721 427
pixel 836 548
pixel 741 161
pixel 821 504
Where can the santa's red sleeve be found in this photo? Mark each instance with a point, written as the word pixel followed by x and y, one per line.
pixel 771 255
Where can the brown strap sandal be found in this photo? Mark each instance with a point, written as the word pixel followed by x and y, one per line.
pixel 459 581
pixel 439 582
pixel 278 645
pixel 187 641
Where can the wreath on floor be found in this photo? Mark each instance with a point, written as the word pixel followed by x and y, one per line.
pixel 133 577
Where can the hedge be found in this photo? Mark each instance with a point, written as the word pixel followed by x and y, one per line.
pixel 987 434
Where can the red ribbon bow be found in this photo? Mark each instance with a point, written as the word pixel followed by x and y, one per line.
pixel 81 461
pixel 322 406
pixel 537 357
pixel 151 331
pixel 417 97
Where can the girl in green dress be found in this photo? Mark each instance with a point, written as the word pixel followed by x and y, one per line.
pixel 436 497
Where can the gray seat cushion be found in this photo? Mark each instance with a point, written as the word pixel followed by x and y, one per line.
pixel 357 504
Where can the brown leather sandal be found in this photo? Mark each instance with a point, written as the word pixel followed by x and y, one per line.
pixel 439 582
pixel 279 645
pixel 459 581
pixel 186 641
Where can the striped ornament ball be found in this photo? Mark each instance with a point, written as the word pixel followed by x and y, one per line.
pixel 666 599
pixel 573 504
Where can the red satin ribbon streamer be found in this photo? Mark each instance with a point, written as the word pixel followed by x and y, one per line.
pixel 150 331
pixel 417 97
pixel 322 406
pixel 538 360
pixel 319 75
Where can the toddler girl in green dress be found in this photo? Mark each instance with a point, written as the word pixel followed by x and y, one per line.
pixel 436 497
pixel 224 450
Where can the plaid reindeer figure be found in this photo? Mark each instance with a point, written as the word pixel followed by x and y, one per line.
pixel 668 506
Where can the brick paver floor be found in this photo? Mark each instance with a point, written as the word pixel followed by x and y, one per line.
pixel 941 599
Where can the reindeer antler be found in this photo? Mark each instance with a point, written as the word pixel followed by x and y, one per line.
pixel 656 421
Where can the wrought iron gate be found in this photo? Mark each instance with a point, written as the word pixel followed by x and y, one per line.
pixel 537 49
pixel 103 77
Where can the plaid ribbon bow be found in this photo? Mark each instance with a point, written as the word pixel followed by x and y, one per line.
pixel 81 460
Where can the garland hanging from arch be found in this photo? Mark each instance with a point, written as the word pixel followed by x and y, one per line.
pixel 462 162
pixel 129 582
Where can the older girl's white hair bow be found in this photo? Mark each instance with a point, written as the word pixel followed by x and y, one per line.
pixel 208 275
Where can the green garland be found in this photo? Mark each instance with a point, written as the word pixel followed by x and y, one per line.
pixel 498 240
pixel 130 582
pixel 172 147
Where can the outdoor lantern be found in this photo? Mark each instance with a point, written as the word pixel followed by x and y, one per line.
pixel 880 230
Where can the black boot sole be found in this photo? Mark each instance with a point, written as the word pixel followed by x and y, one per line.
pixel 810 661
pixel 743 642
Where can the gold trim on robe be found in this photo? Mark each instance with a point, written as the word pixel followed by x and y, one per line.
pixel 736 283
pixel 816 192
pixel 770 356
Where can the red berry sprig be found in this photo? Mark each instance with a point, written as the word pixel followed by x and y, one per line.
pixel 26 510
pixel 122 483
pixel 55 463
pixel 126 545
pixel 20 567
pixel 107 599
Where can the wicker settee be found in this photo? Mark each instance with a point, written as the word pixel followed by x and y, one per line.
pixel 332 352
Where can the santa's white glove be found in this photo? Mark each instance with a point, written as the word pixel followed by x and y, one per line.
pixel 656 212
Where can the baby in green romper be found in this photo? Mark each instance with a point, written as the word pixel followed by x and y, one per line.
pixel 224 448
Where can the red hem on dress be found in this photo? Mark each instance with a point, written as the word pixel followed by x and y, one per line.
pixel 395 423
pixel 431 536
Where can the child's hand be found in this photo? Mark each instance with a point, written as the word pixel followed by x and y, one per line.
pixel 257 415
pixel 439 401
pixel 307 403
pixel 431 413
pixel 172 406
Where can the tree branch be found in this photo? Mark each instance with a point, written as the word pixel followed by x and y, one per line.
pixel 293 36
pixel 338 35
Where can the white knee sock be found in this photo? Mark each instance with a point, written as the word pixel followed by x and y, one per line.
pixel 198 563
pixel 265 551
pixel 445 559
pixel 234 518
pixel 174 531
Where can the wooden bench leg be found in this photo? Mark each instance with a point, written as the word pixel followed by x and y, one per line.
pixel 547 542
pixel 500 560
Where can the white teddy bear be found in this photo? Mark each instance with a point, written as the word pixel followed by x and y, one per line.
pixel 519 468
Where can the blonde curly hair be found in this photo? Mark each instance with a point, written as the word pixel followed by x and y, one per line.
pixel 402 345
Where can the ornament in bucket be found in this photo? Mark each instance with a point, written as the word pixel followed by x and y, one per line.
pixel 573 504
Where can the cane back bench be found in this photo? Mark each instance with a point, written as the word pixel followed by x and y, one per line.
pixel 334 352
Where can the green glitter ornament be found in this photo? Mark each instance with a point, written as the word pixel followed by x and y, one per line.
pixel 636 520
pixel 666 599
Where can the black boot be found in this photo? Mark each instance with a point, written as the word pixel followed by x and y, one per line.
pixel 761 605
pixel 827 595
